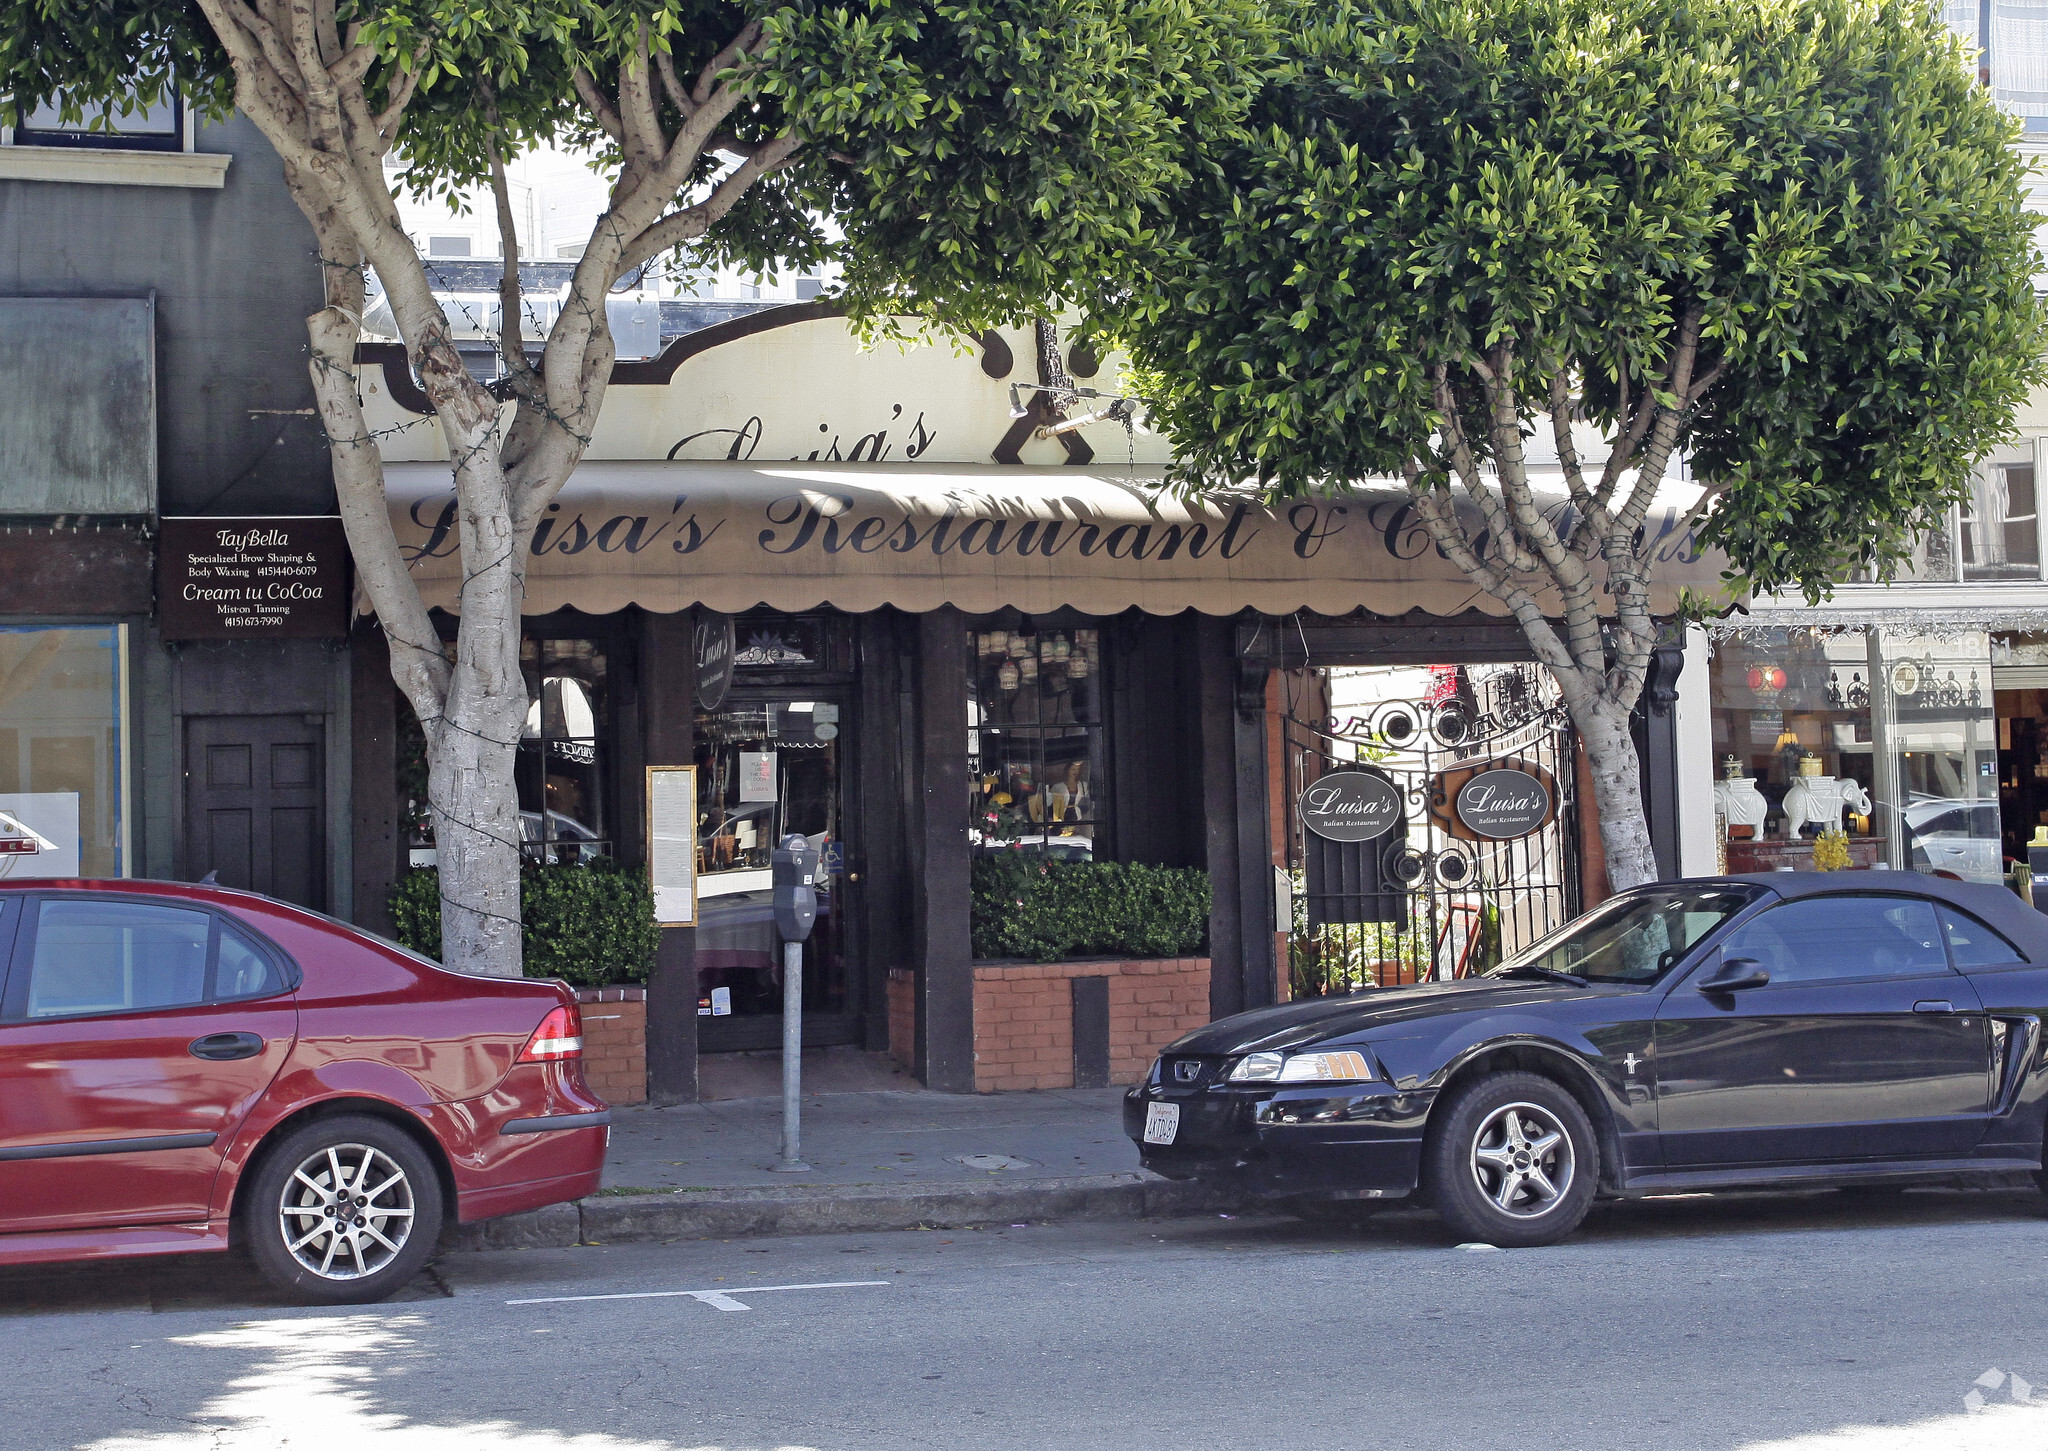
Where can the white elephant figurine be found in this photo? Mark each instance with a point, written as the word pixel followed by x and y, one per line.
pixel 1741 803
pixel 1821 799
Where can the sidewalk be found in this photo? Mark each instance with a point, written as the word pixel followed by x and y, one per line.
pixel 887 1159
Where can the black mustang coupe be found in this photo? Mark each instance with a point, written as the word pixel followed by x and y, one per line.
pixel 1790 1029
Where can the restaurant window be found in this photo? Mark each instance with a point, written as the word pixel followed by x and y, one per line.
pixel 2000 519
pixel 1889 735
pixel 63 751
pixel 1036 743
pixel 561 768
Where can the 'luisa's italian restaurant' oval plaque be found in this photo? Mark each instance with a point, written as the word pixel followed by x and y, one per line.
pixel 1503 803
pixel 1350 806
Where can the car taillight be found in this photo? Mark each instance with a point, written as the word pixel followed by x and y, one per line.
pixel 559 1036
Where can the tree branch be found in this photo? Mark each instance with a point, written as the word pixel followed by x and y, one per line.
pixel 692 222
pixel 599 108
pixel 707 78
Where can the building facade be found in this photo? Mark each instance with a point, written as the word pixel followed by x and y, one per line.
pixel 153 283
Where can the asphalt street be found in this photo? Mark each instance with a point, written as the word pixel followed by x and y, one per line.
pixel 1811 1321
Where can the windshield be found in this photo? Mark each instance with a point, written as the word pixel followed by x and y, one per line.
pixel 1635 938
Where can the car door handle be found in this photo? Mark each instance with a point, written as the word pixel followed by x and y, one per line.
pixel 1934 1005
pixel 226 1047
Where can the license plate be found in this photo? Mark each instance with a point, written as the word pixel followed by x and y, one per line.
pixel 1162 1122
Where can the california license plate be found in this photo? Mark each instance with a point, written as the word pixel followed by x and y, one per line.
pixel 1162 1122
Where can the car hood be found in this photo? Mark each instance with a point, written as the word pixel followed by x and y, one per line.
pixel 1315 1020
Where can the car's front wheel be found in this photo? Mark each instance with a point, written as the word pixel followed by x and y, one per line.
pixel 342 1211
pixel 1512 1161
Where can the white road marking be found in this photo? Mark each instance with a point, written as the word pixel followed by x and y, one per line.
pixel 717 1299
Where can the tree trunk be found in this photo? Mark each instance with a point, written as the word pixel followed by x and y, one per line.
pixel 1617 793
pixel 470 760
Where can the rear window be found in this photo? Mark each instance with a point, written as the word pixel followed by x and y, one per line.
pixel 1973 944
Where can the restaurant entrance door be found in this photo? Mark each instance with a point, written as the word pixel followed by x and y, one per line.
pixel 770 762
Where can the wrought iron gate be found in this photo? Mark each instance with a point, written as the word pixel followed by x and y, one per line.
pixel 1431 898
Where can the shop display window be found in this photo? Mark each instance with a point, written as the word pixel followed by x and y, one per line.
pixel 1037 746
pixel 561 768
pixel 63 802
pixel 1888 736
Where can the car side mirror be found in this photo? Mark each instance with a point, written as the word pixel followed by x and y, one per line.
pixel 1734 975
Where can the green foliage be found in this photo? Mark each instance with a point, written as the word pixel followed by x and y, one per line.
pixel 588 925
pixel 1340 958
pixel 1043 910
pixel 1420 180
pixel 973 157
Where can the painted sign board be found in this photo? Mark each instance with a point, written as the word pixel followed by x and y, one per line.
pixel 252 579
pixel 39 835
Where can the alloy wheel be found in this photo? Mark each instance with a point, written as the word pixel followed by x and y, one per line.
pixel 1522 1160
pixel 346 1211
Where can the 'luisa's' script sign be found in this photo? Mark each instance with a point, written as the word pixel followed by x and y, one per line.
pixel 1350 806
pixel 1503 803
pixel 252 579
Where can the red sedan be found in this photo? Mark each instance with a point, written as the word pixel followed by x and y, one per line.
pixel 191 1068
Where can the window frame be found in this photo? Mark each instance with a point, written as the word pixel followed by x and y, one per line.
pixel 545 849
pixel 1962 525
pixel 27 903
pixel 1726 945
pixel 2019 957
pixel 1101 731
pixel 180 139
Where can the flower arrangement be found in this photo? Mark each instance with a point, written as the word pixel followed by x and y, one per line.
pixel 1831 850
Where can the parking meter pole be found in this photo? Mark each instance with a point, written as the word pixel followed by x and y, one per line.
pixel 792 1059
pixel 795 865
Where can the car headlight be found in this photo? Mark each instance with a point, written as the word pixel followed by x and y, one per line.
pixel 1347 1066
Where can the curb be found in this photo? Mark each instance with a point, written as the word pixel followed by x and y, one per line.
pixel 837 1209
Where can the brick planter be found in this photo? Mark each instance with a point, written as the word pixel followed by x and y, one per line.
pixel 1027 1015
pixel 615 1042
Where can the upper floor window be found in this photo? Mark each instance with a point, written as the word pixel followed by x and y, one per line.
pixel 157 125
pixel 2001 525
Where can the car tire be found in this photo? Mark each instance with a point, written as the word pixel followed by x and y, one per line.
pixel 1335 1213
pixel 1511 1160
pixel 342 1211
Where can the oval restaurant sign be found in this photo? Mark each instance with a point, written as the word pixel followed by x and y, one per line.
pixel 1350 806
pixel 1503 803
pixel 715 648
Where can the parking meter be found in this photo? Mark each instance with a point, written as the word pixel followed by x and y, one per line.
pixel 796 879
pixel 795 899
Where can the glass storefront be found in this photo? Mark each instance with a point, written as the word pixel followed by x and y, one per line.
pixel 561 763
pixel 63 751
pixel 1037 747
pixel 770 763
pixel 1889 735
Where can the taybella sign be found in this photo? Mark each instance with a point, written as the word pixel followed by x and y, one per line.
pixel 252 579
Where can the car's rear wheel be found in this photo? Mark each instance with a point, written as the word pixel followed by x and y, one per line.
pixel 1512 1161
pixel 342 1211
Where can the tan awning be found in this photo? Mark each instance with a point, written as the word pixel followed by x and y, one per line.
pixel 857 536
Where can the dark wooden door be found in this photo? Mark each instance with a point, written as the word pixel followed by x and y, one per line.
pixel 254 798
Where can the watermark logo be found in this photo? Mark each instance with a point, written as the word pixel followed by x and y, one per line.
pixel 1989 1383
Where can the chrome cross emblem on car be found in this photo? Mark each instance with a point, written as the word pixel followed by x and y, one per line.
pixel 1187 1070
pixel 1630 1062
